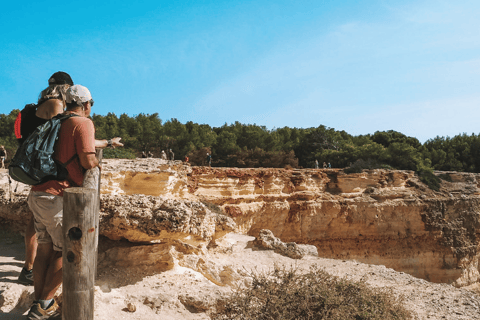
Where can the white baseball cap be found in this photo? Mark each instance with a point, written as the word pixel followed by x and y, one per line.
pixel 78 94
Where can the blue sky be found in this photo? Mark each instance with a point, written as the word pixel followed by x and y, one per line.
pixel 358 66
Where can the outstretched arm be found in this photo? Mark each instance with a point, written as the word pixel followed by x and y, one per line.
pixel 100 144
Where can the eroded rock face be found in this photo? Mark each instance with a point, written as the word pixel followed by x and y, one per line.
pixel 378 216
pixel 140 218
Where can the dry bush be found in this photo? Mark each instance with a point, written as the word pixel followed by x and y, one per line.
pixel 285 294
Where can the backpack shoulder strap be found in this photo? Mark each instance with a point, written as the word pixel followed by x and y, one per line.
pixel 64 165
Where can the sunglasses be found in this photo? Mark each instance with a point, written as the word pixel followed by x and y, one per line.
pixel 91 102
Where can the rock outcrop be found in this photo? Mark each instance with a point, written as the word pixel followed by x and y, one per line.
pixel 267 241
pixel 378 216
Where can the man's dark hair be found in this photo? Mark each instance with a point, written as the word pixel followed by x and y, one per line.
pixel 60 77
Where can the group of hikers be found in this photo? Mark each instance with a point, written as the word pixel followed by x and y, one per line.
pixel 325 165
pixel 171 156
pixel 75 151
pixel 163 155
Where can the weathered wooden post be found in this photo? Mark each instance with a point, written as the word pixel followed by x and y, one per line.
pixel 80 234
pixel 92 180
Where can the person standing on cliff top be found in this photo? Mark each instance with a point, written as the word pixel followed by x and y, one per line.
pixel 3 156
pixel 76 138
pixel 172 155
pixel 209 159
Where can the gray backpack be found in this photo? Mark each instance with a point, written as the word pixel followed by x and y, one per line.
pixel 33 162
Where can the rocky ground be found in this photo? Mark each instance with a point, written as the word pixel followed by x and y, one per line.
pixel 170 215
pixel 182 293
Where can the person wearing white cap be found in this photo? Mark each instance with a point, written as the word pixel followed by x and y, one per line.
pixel 76 140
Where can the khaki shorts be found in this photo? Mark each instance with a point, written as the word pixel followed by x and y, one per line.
pixel 48 215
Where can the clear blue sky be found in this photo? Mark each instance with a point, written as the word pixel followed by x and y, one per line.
pixel 358 66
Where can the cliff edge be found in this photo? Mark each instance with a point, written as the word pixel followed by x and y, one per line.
pixel 380 217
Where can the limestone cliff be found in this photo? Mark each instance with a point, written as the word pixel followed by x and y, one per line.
pixel 378 216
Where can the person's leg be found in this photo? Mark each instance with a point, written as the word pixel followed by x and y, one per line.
pixel 26 275
pixel 30 245
pixel 53 278
pixel 40 267
pixel 47 271
pixel 47 211
pixel 47 268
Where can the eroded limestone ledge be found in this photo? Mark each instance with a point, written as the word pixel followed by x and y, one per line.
pixel 377 216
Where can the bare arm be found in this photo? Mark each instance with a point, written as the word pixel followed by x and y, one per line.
pixel 100 144
pixel 88 160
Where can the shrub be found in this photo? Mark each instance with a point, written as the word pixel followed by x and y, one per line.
pixel 258 157
pixel 286 294
pixel 427 176
pixel 361 164
pixel 119 153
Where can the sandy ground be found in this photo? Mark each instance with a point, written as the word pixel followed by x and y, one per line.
pixel 182 293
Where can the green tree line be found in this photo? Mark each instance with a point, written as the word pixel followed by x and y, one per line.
pixel 251 145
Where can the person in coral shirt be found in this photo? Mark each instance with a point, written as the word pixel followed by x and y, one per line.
pixel 76 139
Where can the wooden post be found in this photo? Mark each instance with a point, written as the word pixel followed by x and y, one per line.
pixel 80 234
pixel 79 211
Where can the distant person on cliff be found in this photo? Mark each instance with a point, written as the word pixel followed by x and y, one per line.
pixel 150 154
pixel 144 155
pixel 324 165
pixel 3 156
pixel 316 164
pixel 329 165
pixel 186 159
pixel 172 155
pixel 163 155
pixel 209 159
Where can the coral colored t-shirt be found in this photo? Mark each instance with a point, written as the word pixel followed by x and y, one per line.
pixel 76 136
